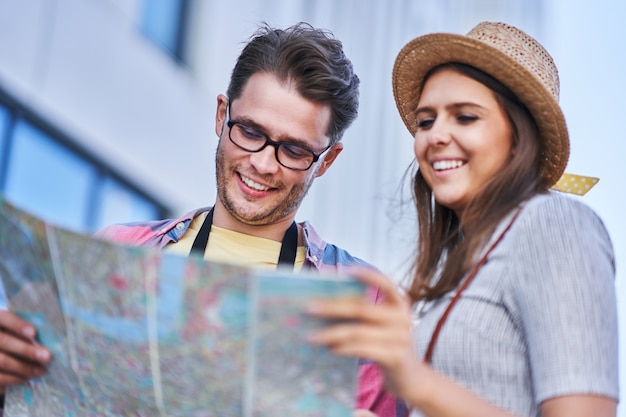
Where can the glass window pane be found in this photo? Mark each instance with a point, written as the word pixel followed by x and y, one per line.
pixel 4 125
pixel 161 22
pixel 119 204
pixel 48 180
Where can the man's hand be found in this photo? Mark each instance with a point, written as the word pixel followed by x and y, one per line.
pixel 21 358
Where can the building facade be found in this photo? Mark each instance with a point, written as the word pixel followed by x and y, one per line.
pixel 107 107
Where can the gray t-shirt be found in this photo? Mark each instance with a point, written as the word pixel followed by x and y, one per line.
pixel 540 318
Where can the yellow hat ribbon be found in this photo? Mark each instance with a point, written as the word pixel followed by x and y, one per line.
pixel 575 184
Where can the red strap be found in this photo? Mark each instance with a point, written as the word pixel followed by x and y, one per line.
pixel 433 340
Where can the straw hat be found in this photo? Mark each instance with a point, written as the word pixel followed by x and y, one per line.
pixel 507 54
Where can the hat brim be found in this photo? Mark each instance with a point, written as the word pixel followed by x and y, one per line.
pixel 424 53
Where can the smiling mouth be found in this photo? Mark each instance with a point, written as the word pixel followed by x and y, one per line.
pixel 252 184
pixel 446 165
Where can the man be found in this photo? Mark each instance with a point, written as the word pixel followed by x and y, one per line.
pixel 292 94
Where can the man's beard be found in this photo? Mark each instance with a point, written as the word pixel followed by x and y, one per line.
pixel 276 211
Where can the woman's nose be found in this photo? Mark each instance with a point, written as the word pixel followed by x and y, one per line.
pixel 438 135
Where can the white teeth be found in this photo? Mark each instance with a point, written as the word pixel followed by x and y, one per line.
pixel 443 165
pixel 253 184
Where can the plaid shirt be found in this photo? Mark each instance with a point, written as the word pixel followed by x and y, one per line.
pixel 320 255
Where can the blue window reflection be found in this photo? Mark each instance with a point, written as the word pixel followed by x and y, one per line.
pixel 47 179
pixel 119 204
pixel 41 175
pixel 4 125
pixel 162 22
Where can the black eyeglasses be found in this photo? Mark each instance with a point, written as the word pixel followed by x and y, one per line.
pixel 289 155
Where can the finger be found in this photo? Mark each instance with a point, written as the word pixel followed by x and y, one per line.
pixel 356 339
pixel 363 413
pixel 388 357
pixel 370 317
pixel 340 307
pixel 361 310
pixel 8 379
pixel 13 346
pixel 361 332
pixel 16 325
pixel 13 370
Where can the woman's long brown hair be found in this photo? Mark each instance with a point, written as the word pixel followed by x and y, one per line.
pixel 443 242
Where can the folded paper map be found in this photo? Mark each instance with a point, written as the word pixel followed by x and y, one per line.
pixel 139 332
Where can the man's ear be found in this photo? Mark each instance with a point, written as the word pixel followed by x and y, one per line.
pixel 329 158
pixel 220 114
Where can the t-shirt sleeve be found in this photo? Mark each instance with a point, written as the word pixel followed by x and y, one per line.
pixel 565 290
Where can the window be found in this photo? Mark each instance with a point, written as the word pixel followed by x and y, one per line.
pixel 4 131
pixel 40 174
pixel 47 180
pixel 118 204
pixel 163 21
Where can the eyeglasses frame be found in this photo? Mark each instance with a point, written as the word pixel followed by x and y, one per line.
pixel 268 141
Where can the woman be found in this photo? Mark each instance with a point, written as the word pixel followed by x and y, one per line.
pixel 513 283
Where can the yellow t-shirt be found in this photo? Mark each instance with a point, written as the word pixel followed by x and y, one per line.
pixel 233 247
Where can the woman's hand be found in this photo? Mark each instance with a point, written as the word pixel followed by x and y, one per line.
pixel 382 333
pixel 378 332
